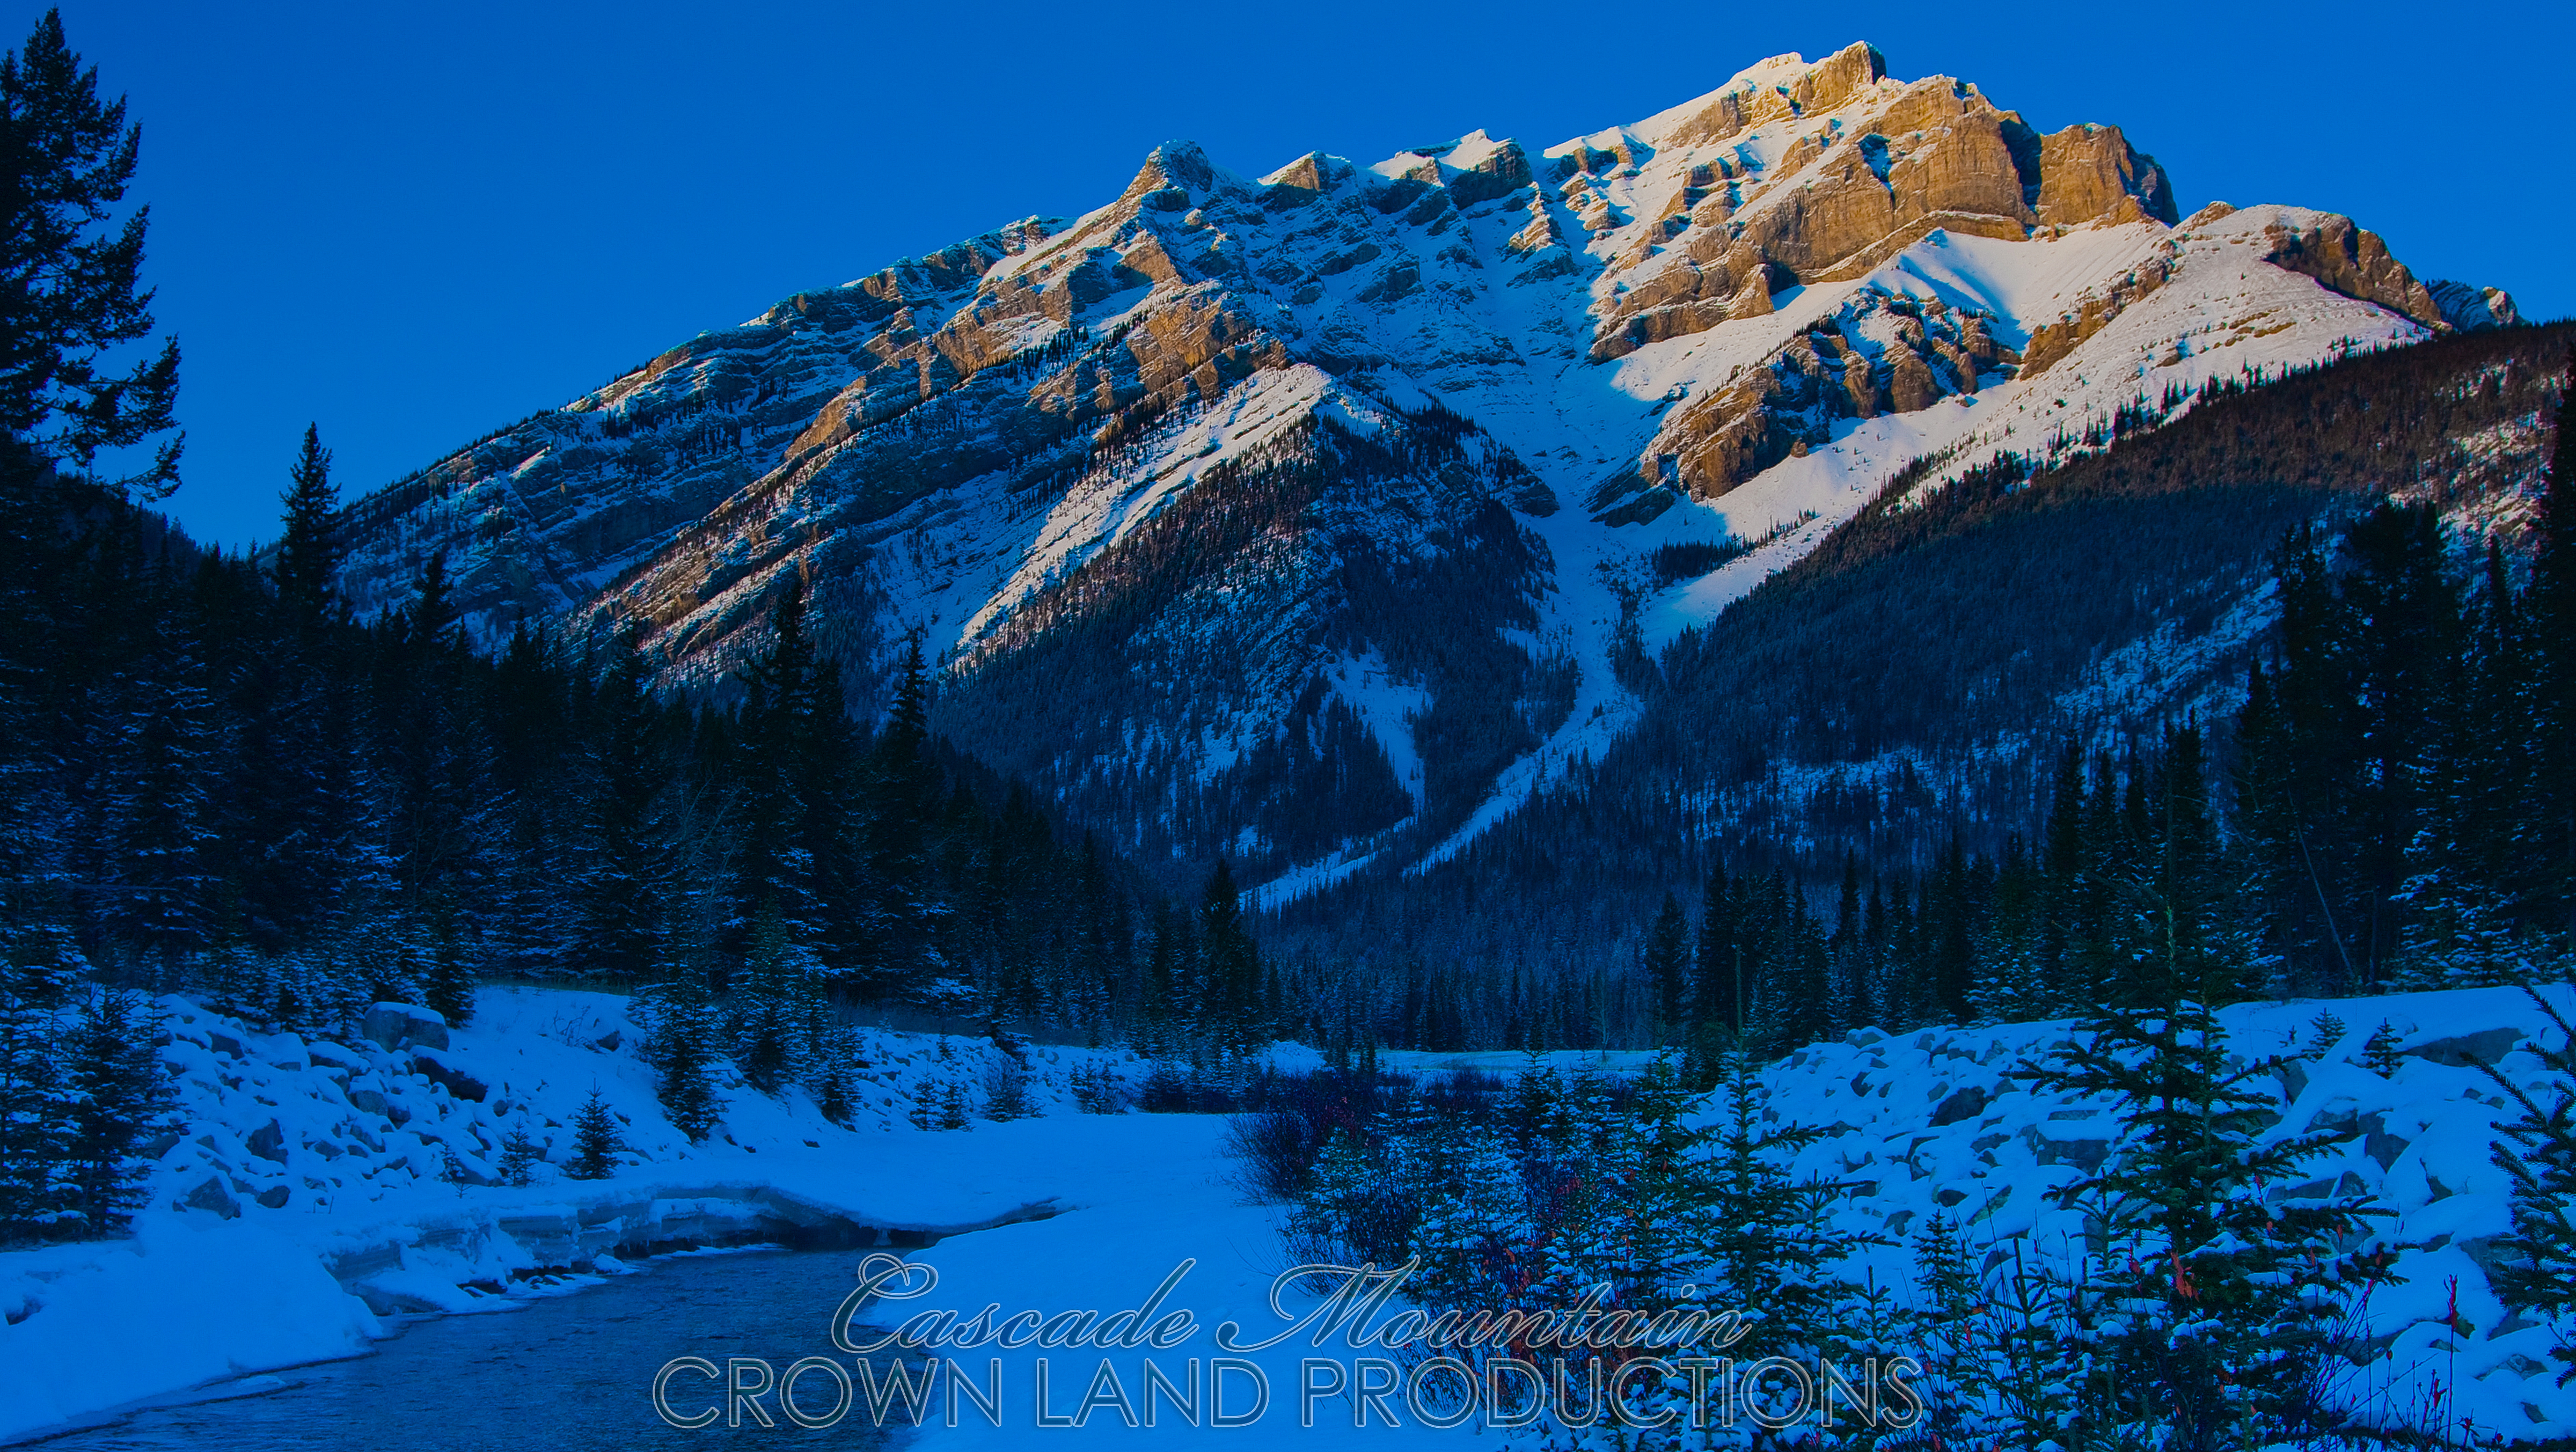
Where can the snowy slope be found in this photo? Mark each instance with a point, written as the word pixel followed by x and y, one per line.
pixel 303 1201
pixel 1733 320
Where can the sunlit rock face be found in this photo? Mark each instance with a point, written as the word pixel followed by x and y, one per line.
pixel 1308 517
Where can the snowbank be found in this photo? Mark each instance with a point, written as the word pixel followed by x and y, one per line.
pixel 304 1200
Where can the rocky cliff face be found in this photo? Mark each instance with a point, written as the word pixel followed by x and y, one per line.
pixel 1319 516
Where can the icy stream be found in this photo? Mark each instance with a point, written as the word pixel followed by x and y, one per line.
pixel 563 1373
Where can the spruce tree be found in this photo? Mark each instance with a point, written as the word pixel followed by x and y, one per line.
pixel 2537 1269
pixel 448 985
pixel 1006 1092
pixel 595 1141
pixel 621 887
pixel 956 1105
pixel 1231 999
pixel 683 1048
pixel 520 1157
pixel 161 818
pixel 39 966
pixel 2212 1307
pixel 308 552
pixel 77 297
pixel 119 1099
pixel 1667 948
pixel 771 1003
pixel 2379 1055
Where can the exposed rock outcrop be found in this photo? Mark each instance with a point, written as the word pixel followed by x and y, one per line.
pixel 1900 161
pixel 1878 354
pixel 2051 341
pixel 2353 262
pixel 2470 308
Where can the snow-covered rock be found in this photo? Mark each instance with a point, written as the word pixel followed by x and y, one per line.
pixel 1205 446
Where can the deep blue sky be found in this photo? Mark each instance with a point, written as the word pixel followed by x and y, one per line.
pixel 414 223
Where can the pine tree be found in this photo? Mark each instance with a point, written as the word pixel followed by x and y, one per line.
pixel 2324 1032
pixel 119 1099
pixel 683 1048
pixel 1718 988
pixel 771 1003
pixel 620 886
pixel 161 817
pixel 448 984
pixel 1231 1001
pixel 2537 1266
pixel 2380 1055
pixel 451 1169
pixel 956 1107
pixel 595 1141
pixel 520 1157
pixel 1667 948
pixel 78 298
pixel 308 553
pixel 2212 1307
pixel 1006 1092
pixel 39 965
pixel 836 1088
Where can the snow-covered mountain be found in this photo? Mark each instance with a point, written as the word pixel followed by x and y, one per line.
pixel 1323 517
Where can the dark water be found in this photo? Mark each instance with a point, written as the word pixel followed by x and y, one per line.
pixel 564 1373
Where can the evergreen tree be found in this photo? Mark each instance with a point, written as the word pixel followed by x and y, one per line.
pixel 956 1107
pixel 448 984
pixel 1006 1092
pixel 37 975
pixel 76 295
pixel 1230 1002
pixel 595 1141
pixel 308 552
pixel 771 1003
pixel 621 884
pixel 520 1157
pixel 2212 1308
pixel 1667 949
pixel 2380 1055
pixel 119 1099
pixel 161 818
pixel 683 1049
pixel 2537 1260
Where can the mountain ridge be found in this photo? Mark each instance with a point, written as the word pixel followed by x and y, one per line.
pixel 1350 474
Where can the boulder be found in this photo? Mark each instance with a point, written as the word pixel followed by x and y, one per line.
pixel 268 1142
pixel 1965 1104
pixel 404 1025
pixel 429 1065
pixel 212 1194
pixel 2462 1050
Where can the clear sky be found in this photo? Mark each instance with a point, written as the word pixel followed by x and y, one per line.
pixel 414 223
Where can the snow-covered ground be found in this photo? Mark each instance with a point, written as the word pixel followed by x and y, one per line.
pixel 1074 1211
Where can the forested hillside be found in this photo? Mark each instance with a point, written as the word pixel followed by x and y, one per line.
pixel 1920 761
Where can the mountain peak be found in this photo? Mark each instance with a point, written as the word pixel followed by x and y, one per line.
pixel 1182 164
